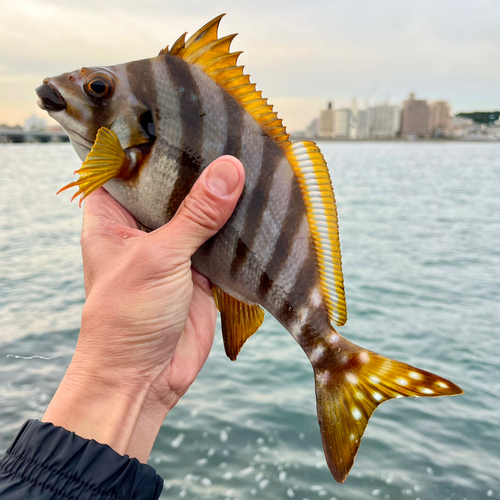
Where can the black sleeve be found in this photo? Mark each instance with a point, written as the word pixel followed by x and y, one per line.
pixel 50 463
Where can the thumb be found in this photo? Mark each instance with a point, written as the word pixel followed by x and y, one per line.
pixel 207 207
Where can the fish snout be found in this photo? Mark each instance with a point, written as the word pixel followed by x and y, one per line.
pixel 49 98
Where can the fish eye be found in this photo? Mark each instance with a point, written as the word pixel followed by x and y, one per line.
pixel 98 86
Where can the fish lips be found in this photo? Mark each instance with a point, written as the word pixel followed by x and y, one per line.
pixel 49 99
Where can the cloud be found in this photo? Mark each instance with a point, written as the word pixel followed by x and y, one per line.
pixel 298 55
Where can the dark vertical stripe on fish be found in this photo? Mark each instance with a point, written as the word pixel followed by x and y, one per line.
pixel 306 281
pixel 234 118
pixel 140 75
pixel 191 111
pixel 288 232
pixel 257 204
pixel 234 131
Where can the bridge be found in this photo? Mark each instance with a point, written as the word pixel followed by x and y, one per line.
pixel 17 136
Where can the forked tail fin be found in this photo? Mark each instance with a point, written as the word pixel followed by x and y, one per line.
pixel 350 383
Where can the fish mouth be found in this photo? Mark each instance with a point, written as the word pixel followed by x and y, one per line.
pixel 49 98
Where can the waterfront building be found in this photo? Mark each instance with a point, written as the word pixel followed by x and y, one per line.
pixel 342 124
pixel 34 123
pixel 415 118
pixel 327 122
pixel 312 130
pixel 353 122
pixel 440 119
pixel 384 121
pixel 462 127
pixel 362 124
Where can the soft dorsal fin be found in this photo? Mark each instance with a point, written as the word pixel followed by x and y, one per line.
pixel 212 54
pixel 312 173
pixel 239 321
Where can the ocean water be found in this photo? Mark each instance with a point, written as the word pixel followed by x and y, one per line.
pixel 420 235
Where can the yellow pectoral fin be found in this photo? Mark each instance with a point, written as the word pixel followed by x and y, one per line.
pixel 104 162
pixel 239 321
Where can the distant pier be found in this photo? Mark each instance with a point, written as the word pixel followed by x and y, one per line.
pixel 17 136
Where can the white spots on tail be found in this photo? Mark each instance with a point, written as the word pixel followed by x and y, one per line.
pixel 323 377
pixel 304 315
pixel 415 375
pixel 351 378
pixel 442 384
pixel 364 357
pixel 316 297
pixel 333 338
pixel 374 379
pixel 401 381
pixel 317 353
pixel 426 390
pixel 377 396
pixel 352 437
pixel 356 414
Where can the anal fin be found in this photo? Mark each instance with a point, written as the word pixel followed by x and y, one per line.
pixel 239 321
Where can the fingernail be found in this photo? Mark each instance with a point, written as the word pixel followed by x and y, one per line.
pixel 223 178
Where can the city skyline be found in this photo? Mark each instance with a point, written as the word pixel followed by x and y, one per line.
pixel 299 57
pixel 414 119
pixel 378 111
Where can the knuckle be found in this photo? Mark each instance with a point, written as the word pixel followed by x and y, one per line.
pixel 202 212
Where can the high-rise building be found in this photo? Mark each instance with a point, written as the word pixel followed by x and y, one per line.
pixel 342 126
pixel 353 122
pixel 327 122
pixel 362 124
pixel 384 121
pixel 440 118
pixel 312 128
pixel 415 118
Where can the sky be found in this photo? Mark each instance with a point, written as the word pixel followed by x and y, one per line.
pixel 301 54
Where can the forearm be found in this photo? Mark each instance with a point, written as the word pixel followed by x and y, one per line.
pixel 95 408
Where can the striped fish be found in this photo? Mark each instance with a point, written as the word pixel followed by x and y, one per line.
pixel 147 129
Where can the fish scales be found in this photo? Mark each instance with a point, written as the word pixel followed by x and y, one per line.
pixel 147 129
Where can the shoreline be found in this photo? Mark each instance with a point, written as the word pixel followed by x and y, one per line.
pixel 396 139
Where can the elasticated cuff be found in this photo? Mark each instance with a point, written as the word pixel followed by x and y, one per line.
pixel 50 463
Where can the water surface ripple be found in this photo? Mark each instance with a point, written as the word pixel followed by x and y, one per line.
pixel 419 226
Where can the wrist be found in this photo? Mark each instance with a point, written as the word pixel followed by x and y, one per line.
pixel 94 407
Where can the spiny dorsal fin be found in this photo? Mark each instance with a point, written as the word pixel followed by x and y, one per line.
pixel 311 171
pixel 212 55
pixel 239 321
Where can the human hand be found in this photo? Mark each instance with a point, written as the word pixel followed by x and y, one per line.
pixel 149 319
